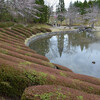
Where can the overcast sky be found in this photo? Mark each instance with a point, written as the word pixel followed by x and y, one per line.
pixel 54 2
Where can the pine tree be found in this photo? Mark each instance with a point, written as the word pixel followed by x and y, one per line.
pixel 44 12
pixel 60 10
pixel 62 5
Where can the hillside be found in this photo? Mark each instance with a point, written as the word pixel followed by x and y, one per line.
pixel 26 75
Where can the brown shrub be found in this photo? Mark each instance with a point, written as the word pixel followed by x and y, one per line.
pixel 52 78
pixel 11 42
pixel 25 48
pixel 10 36
pixel 51 92
pixel 47 29
pixel 28 29
pixel 22 32
pixel 25 29
pixel 62 68
pixel 28 58
pixel 15 32
pixel 18 50
pixel 10 39
pixel 35 31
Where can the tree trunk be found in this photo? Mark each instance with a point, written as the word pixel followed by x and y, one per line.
pixel 70 23
pixel 92 26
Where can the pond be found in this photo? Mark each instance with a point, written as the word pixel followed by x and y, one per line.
pixel 78 51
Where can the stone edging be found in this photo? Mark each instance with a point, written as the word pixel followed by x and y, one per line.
pixel 33 38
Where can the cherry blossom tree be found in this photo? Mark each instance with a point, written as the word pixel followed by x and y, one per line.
pixel 25 8
pixel 71 14
pixel 92 15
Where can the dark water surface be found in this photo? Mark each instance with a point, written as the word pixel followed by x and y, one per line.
pixel 80 52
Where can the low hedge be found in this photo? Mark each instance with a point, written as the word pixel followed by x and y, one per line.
pixel 51 92
pixel 6 24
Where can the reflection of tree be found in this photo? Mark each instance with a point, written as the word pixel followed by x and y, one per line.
pixel 63 43
pixel 79 39
pixel 68 44
pixel 60 41
pixel 40 46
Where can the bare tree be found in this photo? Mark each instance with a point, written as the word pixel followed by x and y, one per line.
pixel 51 6
pixel 72 14
pixel 25 8
pixel 92 15
pixel 2 6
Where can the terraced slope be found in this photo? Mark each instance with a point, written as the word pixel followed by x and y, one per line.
pixel 26 75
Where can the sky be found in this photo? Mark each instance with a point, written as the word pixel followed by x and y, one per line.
pixel 54 2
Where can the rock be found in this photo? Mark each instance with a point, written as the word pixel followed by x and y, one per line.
pixel 93 62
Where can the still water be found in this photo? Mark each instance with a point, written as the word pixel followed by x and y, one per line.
pixel 78 51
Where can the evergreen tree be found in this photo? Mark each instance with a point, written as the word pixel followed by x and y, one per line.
pixel 44 12
pixel 60 10
pixel 61 5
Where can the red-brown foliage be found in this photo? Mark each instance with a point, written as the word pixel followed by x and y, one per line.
pixel 17 33
pixel 22 32
pixel 25 48
pixel 14 53
pixel 62 68
pixel 7 33
pixel 28 58
pixel 13 37
pixel 23 52
pixel 56 93
pixel 22 29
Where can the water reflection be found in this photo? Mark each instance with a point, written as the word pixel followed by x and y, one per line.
pixel 60 39
pixel 75 51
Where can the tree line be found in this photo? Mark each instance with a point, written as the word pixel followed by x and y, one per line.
pixel 79 13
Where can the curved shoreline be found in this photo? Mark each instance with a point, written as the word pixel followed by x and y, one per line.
pixel 38 36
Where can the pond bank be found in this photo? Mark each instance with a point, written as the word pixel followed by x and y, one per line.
pixel 43 35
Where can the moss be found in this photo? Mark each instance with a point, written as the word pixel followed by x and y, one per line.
pixel 78 81
pixel 90 88
pixel 62 74
pixel 42 77
pixel 45 96
pixel 16 36
pixel 25 63
pixel 4 51
pixel 12 81
pixel 80 97
pixel 36 78
pixel 32 76
pixel 53 77
pixel 48 64
pixel 60 96
pixel 5 87
pixel 5 84
pixel 28 54
pixel 17 49
pixel 22 35
pixel 43 74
